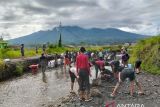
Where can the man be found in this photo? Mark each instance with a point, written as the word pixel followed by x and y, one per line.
pixel 43 62
pixel 22 50
pixel 83 71
pixel 122 76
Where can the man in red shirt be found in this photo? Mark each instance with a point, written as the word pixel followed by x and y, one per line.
pixel 83 72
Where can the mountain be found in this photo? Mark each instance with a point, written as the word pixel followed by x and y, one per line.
pixel 77 35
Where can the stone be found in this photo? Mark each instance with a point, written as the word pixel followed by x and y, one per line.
pixel 95 92
pixel 65 100
pixel 96 82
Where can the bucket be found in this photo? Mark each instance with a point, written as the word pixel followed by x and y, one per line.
pixel 130 66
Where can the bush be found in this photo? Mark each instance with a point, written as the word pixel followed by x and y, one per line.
pixel 2 65
pixel 19 70
pixel 149 51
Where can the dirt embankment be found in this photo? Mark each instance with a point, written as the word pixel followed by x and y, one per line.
pixel 10 69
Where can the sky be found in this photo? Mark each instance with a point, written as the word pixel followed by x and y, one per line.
pixel 22 17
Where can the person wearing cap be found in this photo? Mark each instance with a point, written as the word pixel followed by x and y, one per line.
pixel 83 72
pixel 123 74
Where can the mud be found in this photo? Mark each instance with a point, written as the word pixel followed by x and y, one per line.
pixel 34 90
pixel 150 83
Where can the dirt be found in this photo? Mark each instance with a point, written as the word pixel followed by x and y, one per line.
pixel 150 84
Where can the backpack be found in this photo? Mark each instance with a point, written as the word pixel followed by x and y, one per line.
pixel 125 57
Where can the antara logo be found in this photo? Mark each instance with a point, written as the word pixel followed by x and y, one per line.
pixel 130 105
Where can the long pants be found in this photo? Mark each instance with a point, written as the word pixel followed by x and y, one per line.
pixel 43 68
pixel 84 84
pixel 96 69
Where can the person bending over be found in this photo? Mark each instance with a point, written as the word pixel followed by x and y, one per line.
pixel 99 65
pixel 122 76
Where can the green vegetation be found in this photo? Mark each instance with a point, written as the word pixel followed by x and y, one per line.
pixel 19 69
pixel 148 50
pixel 54 49
pixel 15 53
pixel 2 65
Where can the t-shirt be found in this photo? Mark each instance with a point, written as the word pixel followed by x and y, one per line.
pixel 125 57
pixel 100 63
pixel 82 62
pixel 73 70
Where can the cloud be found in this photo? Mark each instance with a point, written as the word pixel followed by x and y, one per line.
pixel 22 17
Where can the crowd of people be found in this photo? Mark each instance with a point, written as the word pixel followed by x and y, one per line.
pixel 78 65
pixel 79 69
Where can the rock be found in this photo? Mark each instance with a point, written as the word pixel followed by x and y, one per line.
pixel 96 82
pixel 66 99
pixel 156 85
pixel 96 92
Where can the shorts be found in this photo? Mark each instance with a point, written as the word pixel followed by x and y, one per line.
pixel 127 73
pixel 72 76
pixel 84 84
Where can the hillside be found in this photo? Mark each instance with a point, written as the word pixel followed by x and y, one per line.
pixel 77 35
pixel 149 51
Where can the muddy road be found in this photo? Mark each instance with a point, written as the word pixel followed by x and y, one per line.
pixel 150 84
pixel 34 90
pixel 43 91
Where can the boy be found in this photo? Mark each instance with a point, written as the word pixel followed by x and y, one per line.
pixel 72 73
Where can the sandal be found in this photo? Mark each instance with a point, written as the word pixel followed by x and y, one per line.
pixel 90 99
pixel 141 93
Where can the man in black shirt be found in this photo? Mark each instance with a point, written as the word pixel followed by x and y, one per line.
pixel 43 62
pixel 22 50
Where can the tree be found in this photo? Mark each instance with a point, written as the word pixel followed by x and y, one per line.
pixel 60 41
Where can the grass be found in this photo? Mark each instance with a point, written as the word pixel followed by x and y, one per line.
pixel 19 70
pixel 2 65
pixel 12 53
pixel 149 51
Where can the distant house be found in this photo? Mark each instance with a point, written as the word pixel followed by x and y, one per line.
pixel 3 44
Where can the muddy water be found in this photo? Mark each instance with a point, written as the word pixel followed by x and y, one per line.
pixel 34 90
